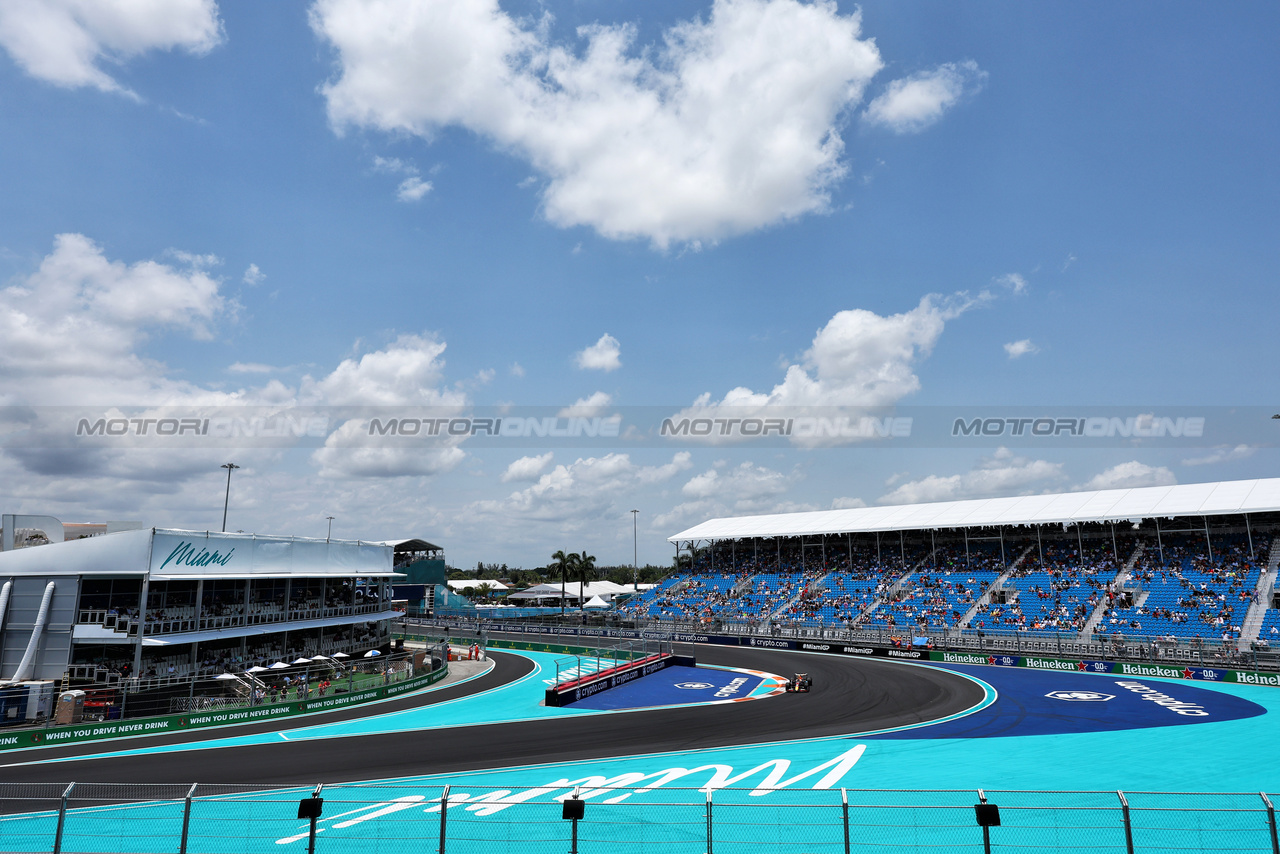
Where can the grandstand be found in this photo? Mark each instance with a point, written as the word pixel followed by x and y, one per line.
pixel 1183 564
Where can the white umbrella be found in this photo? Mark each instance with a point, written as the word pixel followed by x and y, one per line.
pixel 225 676
pixel 340 655
pixel 371 653
pixel 319 658
pixel 303 661
pixel 255 669
pixel 279 665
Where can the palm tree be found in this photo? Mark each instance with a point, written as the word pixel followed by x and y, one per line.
pixel 583 564
pixel 562 562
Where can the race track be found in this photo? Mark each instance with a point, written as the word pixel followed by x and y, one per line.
pixel 850 695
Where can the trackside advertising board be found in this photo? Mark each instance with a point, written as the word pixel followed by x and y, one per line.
pixel 563 695
pixel 77 733
pixel 1169 670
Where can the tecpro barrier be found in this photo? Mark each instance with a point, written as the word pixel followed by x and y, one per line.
pixel 77 733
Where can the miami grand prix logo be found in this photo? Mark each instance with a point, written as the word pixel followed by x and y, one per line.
pixel 694 686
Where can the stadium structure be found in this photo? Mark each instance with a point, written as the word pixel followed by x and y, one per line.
pixel 161 603
pixel 1171 566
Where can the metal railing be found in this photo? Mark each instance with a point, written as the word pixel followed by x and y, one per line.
pixel 408 817
pixel 130 623
pixel 604 658
pixel 1136 648
pixel 128 697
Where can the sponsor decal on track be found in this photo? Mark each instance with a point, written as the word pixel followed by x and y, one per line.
pixel 1178 707
pixel 615 786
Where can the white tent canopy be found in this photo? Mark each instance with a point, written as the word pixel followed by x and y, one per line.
pixel 461 584
pixel 596 602
pixel 572 590
pixel 1105 505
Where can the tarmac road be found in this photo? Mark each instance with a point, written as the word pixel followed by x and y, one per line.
pixel 849 695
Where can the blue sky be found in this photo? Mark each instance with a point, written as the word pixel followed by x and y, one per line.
pixel 742 203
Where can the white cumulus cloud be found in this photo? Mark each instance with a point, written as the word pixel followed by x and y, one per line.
pixel 1130 475
pixel 412 189
pixel 527 468
pixel 588 407
pixel 66 42
pixel 601 356
pixel 858 359
pixel 1003 473
pixel 72 329
pixel 580 493
pixel 349 452
pixel 407 372
pixel 744 482
pixel 911 104
pixel 1018 349
pixel 1015 282
pixel 728 124
pixel 1224 454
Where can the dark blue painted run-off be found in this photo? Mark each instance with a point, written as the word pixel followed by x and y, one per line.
pixel 1033 702
pixel 674 686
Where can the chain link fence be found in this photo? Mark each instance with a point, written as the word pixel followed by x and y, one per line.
pixel 377 818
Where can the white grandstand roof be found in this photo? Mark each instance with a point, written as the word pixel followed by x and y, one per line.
pixel 1192 499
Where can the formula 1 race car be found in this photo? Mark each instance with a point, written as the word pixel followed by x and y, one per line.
pixel 799 684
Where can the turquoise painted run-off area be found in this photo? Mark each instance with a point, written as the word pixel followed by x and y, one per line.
pixel 906 791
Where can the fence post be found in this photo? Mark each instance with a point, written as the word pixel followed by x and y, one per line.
pixel 1271 823
pixel 709 851
pixel 62 817
pixel 444 815
pixel 186 818
pixel 986 831
pixel 311 836
pixel 1128 825
pixel 844 806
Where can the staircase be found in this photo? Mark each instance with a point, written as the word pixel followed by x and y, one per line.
pixel 816 585
pixel 1266 586
pixel 891 590
pixel 1121 577
pixel 985 598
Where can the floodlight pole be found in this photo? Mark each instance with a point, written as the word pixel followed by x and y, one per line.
pixel 230 467
pixel 635 552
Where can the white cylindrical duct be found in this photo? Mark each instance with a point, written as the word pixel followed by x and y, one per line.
pixel 4 604
pixel 28 658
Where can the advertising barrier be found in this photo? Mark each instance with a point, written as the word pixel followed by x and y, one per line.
pixel 78 733
pixel 571 692
pixel 1171 670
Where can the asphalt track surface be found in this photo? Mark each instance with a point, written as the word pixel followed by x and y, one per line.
pixel 850 695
